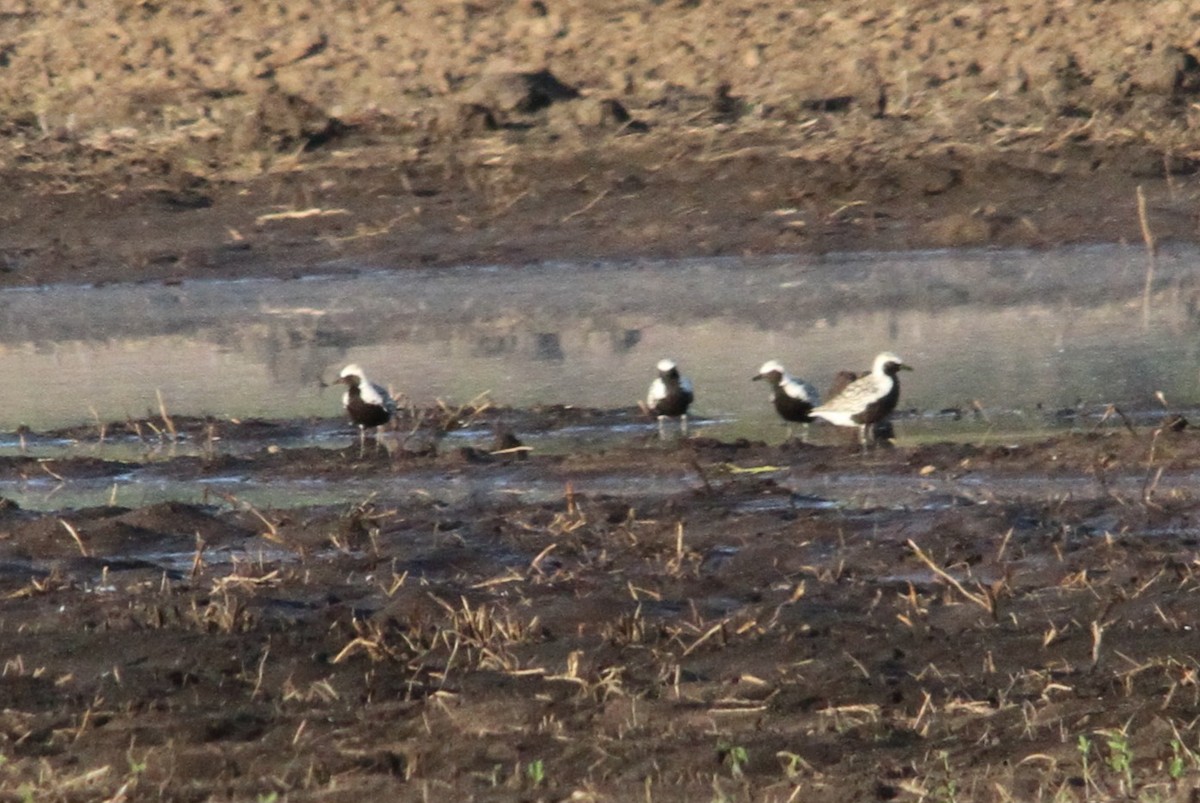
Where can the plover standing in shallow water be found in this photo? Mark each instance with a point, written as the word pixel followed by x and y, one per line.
pixel 367 404
pixel 794 399
pixel 867 400
pixel 670 396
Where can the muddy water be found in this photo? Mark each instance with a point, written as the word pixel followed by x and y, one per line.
pixel 1020 334
pixel 143 488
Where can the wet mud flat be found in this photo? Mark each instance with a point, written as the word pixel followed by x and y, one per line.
pixel 647 621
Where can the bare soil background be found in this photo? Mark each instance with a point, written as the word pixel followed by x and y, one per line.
pixel 674 621
pixel 166 141
pixel 953 622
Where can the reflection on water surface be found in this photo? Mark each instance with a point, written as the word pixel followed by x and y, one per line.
pixel 1011 331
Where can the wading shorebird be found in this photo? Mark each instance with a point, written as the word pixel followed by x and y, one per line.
pixel 670 396
pixel 794 399
pixel 369 405
pixel 867 400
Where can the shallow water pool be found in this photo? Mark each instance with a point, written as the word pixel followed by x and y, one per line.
pixel 1017 340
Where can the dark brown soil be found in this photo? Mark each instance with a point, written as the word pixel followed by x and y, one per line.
pixel 669 622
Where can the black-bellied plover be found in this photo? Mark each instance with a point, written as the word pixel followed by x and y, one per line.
pixel 369 405
pixel 794 399
pixel 670 396
pixel 867 400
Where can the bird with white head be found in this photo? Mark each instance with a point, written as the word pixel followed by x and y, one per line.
pixel 794 399
pixel 369 405
pixel 867 400
pixel 670 396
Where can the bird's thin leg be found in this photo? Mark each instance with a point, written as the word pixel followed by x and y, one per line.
pixel 362 441
pixel 662 427
pixel 791 433
pixel 683 425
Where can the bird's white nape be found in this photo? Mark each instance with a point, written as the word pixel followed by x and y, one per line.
pixel 771 366
pixel 374 394
pixel 882 359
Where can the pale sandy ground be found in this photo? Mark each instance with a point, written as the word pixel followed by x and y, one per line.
pixel 168 141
